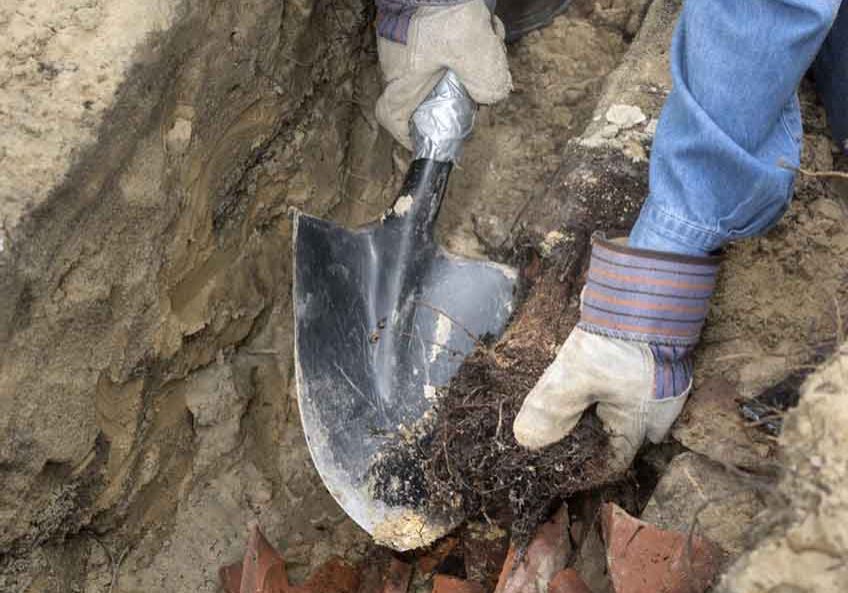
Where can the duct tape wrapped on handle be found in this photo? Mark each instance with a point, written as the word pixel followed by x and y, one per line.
pixel 443 121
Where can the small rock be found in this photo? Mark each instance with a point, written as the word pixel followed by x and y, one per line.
pixel 634 150
pixel 726 504
pixel 609 131
pixel 712 426
pixel 573 96
pixel 594 141
pixel 828 209
pixel 212 397
pixel 179 136
pixel 625 116
pixel 651 127
pixel 446 584
pixel 645 559
pixel 546 555
pixel 551 240
pixel 568 581
pixel 590 562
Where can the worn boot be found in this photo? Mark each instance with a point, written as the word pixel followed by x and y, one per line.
pixel 631 354
pixel 522 16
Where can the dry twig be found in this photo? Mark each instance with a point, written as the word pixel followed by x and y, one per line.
pixel 808 173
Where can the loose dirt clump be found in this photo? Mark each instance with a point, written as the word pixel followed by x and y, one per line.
pixel 474 453
pixel 472 464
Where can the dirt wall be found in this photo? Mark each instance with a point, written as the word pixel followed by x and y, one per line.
pixel 147 238
pixel 806 548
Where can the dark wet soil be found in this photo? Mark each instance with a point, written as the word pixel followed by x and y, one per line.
pixel 475 462
pixel 465 461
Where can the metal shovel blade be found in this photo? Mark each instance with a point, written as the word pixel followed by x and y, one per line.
pixel 383 318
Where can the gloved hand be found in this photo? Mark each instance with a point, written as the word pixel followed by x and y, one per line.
pixel 462 38
pixel 641 317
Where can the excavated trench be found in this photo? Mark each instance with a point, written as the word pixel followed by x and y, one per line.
pixel 146 403
pixel 146 399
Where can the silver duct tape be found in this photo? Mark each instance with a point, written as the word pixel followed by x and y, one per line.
pixel 443 121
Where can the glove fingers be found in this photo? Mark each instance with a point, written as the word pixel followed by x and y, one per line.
pixel 554 406
pixel 662 414
pixel 628 425
pixel 463 38
pixel 623 423
pixel 537 426
pixel 487 83
pixel 400 99
pixel 482 66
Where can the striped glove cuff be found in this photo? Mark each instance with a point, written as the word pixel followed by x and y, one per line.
pixel 647 296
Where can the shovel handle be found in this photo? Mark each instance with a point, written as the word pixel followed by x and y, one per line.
pixel 421 195
pixel 439 126
pixel 443 121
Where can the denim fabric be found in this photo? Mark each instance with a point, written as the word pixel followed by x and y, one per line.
pixel 732 118
pixel 831 72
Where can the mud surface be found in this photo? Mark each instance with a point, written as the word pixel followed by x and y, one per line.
pixel 145 409
pixel 62 64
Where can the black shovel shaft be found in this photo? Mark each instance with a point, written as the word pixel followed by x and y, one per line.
pixel 426 182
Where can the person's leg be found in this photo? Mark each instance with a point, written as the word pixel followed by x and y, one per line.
pixel 731 124
pixel 831 70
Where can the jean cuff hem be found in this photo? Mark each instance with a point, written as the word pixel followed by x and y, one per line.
pixel 690 236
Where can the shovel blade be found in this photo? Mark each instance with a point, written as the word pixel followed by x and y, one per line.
pixel 382 321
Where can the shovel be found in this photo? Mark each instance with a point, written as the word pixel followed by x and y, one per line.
pixel 384 318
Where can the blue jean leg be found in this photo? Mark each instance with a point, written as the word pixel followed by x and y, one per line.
pixel 731 124
pixel 831 70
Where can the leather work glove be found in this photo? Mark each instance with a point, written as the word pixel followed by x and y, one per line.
pixel 640 319
pixel 465 38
